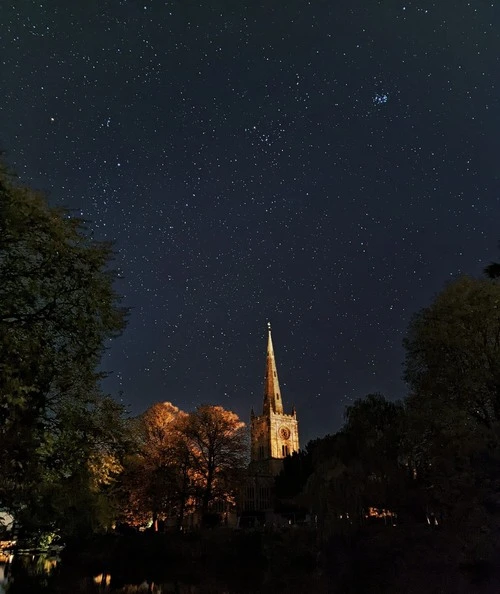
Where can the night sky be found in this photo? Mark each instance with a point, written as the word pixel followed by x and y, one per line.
pixel 324 165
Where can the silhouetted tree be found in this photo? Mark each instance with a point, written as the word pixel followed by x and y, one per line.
pixel 493 269
pixel 296 470
pixel 57 309
pixel 359 467
pixel 453 369
pixel 453 352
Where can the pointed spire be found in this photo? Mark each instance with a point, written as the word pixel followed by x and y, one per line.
pixel 272 392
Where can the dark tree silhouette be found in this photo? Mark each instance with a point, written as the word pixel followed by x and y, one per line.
pixel 57 309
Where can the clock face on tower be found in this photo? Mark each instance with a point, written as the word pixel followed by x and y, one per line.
pixel 285 433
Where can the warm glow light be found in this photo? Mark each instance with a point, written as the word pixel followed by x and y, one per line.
pixel 375 512
pixel 103 579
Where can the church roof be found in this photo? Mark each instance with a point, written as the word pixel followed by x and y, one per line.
pixel 272 392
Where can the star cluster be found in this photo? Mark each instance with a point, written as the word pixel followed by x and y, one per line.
pixel 327 166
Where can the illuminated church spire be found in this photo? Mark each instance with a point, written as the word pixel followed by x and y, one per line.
pixel 272 392
pixel 273 434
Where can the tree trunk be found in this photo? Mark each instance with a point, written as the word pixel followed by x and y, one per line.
pixel 207 496
pixel 183 498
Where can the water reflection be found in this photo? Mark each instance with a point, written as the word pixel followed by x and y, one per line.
pixel 3 577
pixel 105 583
pixel 43 575
pixel 216 563
pixel 152 588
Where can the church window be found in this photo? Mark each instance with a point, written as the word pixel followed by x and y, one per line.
pixel 277 395
pixel 275 374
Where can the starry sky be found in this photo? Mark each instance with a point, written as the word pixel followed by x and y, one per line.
pixel 324 165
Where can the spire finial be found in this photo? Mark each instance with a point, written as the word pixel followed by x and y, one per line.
pixel 269 326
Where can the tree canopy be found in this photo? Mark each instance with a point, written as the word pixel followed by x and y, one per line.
pixel 453 370
pixel 216 438
pixel 453 352
pixel 434 456
pixel 183 462
pixel 156 482
pixel 58 308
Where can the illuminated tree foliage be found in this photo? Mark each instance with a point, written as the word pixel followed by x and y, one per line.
pixel 57 309
pixel 184 462
pixel 216 439
pixel 156 483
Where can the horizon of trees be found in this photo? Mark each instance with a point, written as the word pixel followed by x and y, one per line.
pixel 432 457
pixel 72 463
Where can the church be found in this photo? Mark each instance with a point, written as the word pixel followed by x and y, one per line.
pixel 273 436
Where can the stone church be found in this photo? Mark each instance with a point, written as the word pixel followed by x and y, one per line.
pixel 273 436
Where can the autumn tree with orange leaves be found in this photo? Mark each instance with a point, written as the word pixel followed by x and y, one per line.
pixel 216 440
pixel 184 462
pixel 155 480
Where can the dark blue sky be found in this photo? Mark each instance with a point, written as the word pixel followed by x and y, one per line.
pixel 325 165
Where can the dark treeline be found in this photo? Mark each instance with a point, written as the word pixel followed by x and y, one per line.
pixel 431 460
pixel 72 464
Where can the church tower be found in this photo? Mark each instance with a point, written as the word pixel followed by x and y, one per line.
pixel 274 434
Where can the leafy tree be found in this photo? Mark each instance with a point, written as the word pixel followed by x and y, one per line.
pixel 453 352
pixel 217 442
pixel 183 461
pixel 57 309
pixel 157 478
pixel 358 467
pixel 453 369
pixel 296 470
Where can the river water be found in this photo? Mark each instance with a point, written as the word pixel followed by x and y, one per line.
pixel 42 576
